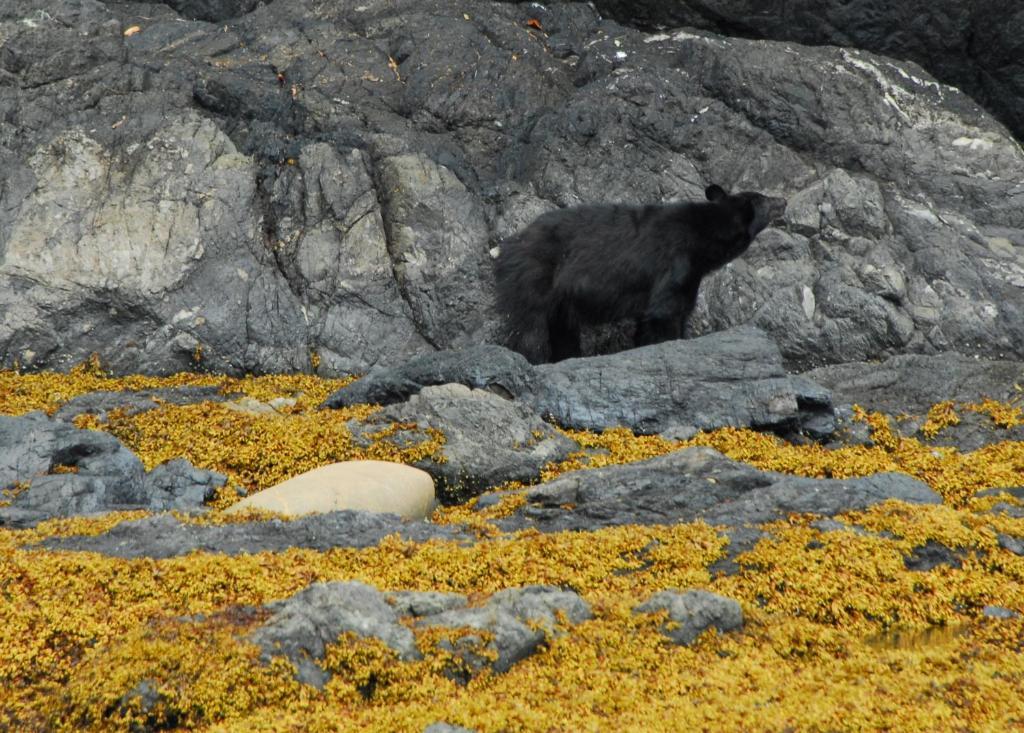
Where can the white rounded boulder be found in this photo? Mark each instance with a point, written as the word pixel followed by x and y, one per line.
pixel 369 486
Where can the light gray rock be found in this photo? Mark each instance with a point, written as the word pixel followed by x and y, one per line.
pixel 101 402
pixel 63 471
pixel 446 728
pixel 177 484
pixel 519 619
pixel 488 440
pixel 1011 543
pixel 735 378
pixel 999 612
pixel 303 625
pixel 692 612
pixel 428 603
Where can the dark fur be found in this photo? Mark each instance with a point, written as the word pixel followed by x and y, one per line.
pixel 597 264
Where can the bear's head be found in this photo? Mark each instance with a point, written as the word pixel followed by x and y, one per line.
pixel 754 210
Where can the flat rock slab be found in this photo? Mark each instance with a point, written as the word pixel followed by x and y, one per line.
pixel 915 382
pixel 730 378
pixel 369 486
pixel 164 535
pixel 487 366
pixel 700 483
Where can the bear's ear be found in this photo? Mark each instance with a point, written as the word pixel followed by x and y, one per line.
pixel 714 192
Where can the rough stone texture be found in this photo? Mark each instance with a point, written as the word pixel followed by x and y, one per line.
pixel 177 484
pixel 508 616
pixel 700 483
pixel 323 183
pixel 53 469
pixel 693 612
pixel 914 382
pixel 976 46
pixel 302 626
pixel 486 366
pixel 424 603
pixel 1013 544
pixel 735 378
pixel 63 471
pixel 164 536
pixel 446 728
pixel 133 402
pixel 932 554
pixel 368 486
pixel 488 440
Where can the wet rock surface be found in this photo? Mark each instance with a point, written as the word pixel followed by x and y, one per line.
pixel 734 378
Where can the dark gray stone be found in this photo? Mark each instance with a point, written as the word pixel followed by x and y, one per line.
pixel 486 366
pixel 1011 543
pixel 975 46
pixel 177 484
pixel 164 536
pixel 303 625
pixel 64 471
pixel 692 612
pixel 700 483
pixel 914 382
pixel 932 554
pixel 508 616
pixel 734 378
pixel 341 185
pixel 488 440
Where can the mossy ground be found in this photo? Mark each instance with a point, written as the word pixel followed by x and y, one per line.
pixel 839 634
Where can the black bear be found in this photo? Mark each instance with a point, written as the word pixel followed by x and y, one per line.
pixel 602 263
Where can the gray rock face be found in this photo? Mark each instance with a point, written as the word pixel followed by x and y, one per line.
pixel 486 366
pixel 700 483
pixel 177 484
pixel 163 535
pixel 302 186
pixel 54 469
pixel 915 382
pixel 302 626
pixel 488 440
pixel 63 471
pixel 975 46
pixel 692 612
pixel 519 620
pixel 735 378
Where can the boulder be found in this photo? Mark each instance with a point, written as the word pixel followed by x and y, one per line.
pixel 692 612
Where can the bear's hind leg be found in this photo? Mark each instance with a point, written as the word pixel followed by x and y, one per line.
pixel 564 334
